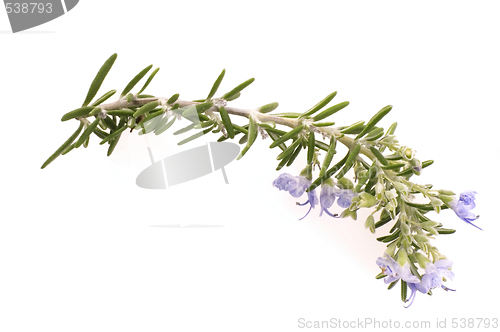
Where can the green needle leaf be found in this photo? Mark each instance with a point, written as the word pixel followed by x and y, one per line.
pixel 288 115
pixel 350 161
pixel 393 165
pixel 121 112
pixel 379 156
pixel 185 129
pixel 204 124
pixel 291 134
pixel 79 112
pixel 294 155
pixel 86 133
pixel 113 135
pixel 329 156
pixel 150 78
pixel 112 145
pixel 289 150
pixel 355 128
pixel 195 136
pixel 135 80
pixel 103 98
pixel 322 146
pixel 227 122
pixel 243 139
pixel 268 108
pixel 68 149
pixel 110 123
pixel 101 134
pixel 160 130
pixel 310 148
pixel 375 134
pixel 64 146
pixel 243 129
pixel 445 231
pixel 392 129
pixel 114 142
pixel 320 105
pixel 216 85
pixel 99 78
pixel 173 99
pixel 404 290
pixel 146 108
pixel 331 110
pixel 274 137
pixel 374 120
pixel 323 124
pixel 283 162
pixel 252 131
pixel 233 97
pixel 238 89
pixel 252 135
pixel 328 174
pixel 200 108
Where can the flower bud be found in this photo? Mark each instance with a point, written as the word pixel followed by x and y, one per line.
pixel 349 213
pixel 420 238
pixel 379 189
pixel 446 192
pixel 401 187
pixel 328 182
pixel 391 194
pixel 370 223
pixel 344 183
pixel 416 166
pixel 445 198
pixel 436 204
pixel 402 257
pixel 391 249
pixel 421 259
pixel 366 200
pixel 436 201
pixel 405 229
pixel 390 207
pixel 406 153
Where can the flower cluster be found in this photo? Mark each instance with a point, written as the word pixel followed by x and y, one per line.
pixel 297 185
pixel 435 274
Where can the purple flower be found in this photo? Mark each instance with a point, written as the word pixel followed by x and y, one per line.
pixel 312 199
pixel 329 194
pixel 296 186
pixel 388 266
pixel 394 271
pixel 433 277
pixel 435 273
pixel 464 205
pixel 326 199
pixel 345 198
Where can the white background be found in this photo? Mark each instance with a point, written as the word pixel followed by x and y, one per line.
pixel 77 248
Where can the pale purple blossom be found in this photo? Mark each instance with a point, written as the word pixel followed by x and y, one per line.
pixel 464 205
pixel 329 194
pixel 296 186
